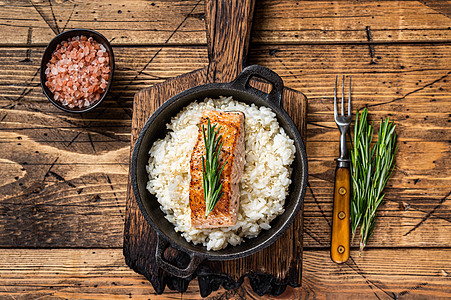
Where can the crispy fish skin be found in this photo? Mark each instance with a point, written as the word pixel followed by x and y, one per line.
pixel 226 210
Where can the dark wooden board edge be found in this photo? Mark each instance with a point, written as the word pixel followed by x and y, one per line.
pixel 265 275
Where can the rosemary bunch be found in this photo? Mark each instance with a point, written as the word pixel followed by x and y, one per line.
pixel 361 167
pixel 371 167
pixel 210 163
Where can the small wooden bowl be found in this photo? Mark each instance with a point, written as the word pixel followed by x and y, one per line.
pixel 48 55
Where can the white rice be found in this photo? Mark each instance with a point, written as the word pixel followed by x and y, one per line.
pixel 265 182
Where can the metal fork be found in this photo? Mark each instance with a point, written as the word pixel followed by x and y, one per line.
pixel 340 243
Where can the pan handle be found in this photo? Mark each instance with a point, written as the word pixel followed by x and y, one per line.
pixel 242 83
pixel 163 244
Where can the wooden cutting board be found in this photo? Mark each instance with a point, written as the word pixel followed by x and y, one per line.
pixel 270 270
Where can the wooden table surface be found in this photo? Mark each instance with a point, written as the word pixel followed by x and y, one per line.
pixel 63 177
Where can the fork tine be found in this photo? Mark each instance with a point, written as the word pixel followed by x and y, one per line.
pixel 343 96
pixel 335 97
pixel 349 98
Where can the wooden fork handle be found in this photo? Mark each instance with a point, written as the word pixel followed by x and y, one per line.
pixel 339 251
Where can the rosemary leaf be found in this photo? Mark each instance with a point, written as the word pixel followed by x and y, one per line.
pixel 371 167
pixel 211 170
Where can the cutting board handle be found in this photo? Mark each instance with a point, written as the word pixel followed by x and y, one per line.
pixel 229 25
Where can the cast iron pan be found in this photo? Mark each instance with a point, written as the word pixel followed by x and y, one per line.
pixel 155 128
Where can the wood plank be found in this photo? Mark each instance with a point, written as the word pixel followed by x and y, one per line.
pixel 347 21
pixel 182 22
pixel 416 77
pixel 101 273
pixel 122 22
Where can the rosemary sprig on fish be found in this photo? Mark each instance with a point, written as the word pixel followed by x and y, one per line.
pixel 211 169
pixel 214 192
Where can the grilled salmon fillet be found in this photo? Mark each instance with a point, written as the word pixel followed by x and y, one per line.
pixel 225 212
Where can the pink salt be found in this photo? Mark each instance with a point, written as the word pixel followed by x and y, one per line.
pixel 78 72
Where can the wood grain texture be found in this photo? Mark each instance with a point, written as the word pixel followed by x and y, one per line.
pixel 102 274
pixel 341 230
pixel 182 22
pixel 410 84
pixel 228 32
pixel 77 199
